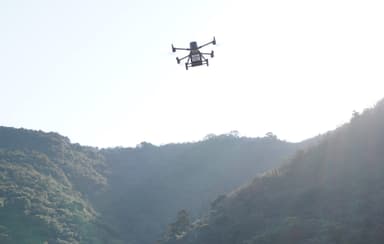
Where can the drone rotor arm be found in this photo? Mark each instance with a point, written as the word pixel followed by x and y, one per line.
pixel 177 48
pixel 179 59
pixel 206 44
pixel 210 54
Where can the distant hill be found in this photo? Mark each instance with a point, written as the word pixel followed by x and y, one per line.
pixel 55 191
pixel 149 184
pixel 332 192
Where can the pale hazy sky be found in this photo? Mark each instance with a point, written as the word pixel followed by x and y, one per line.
pixel 103 74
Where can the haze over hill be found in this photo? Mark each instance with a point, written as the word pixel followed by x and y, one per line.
pixel 332 192
pixel 329 191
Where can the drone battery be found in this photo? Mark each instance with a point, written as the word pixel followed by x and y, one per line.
pixel 193 45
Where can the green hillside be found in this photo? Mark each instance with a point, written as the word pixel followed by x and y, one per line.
pixel 43 180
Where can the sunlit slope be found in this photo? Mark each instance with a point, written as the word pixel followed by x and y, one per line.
pixel 332 192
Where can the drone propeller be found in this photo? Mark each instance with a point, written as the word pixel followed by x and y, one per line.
pixel 174 49
pixel 211 42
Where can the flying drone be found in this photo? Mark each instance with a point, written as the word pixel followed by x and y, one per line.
pixel 195 57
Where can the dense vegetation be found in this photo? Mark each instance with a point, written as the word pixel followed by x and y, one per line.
pixel 57 192
pixel 42 182
pixel 332 192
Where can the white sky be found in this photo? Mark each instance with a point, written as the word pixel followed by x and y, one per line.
pixel 103 74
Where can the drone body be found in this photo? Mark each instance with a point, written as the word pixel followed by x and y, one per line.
pixel 195 57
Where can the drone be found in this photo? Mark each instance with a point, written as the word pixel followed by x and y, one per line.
pixel 195 57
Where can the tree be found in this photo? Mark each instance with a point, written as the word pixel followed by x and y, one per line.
pixel 270 135
pixel 179 228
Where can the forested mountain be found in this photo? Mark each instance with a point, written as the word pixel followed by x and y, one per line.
pixel 332 192
pixel 57 192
